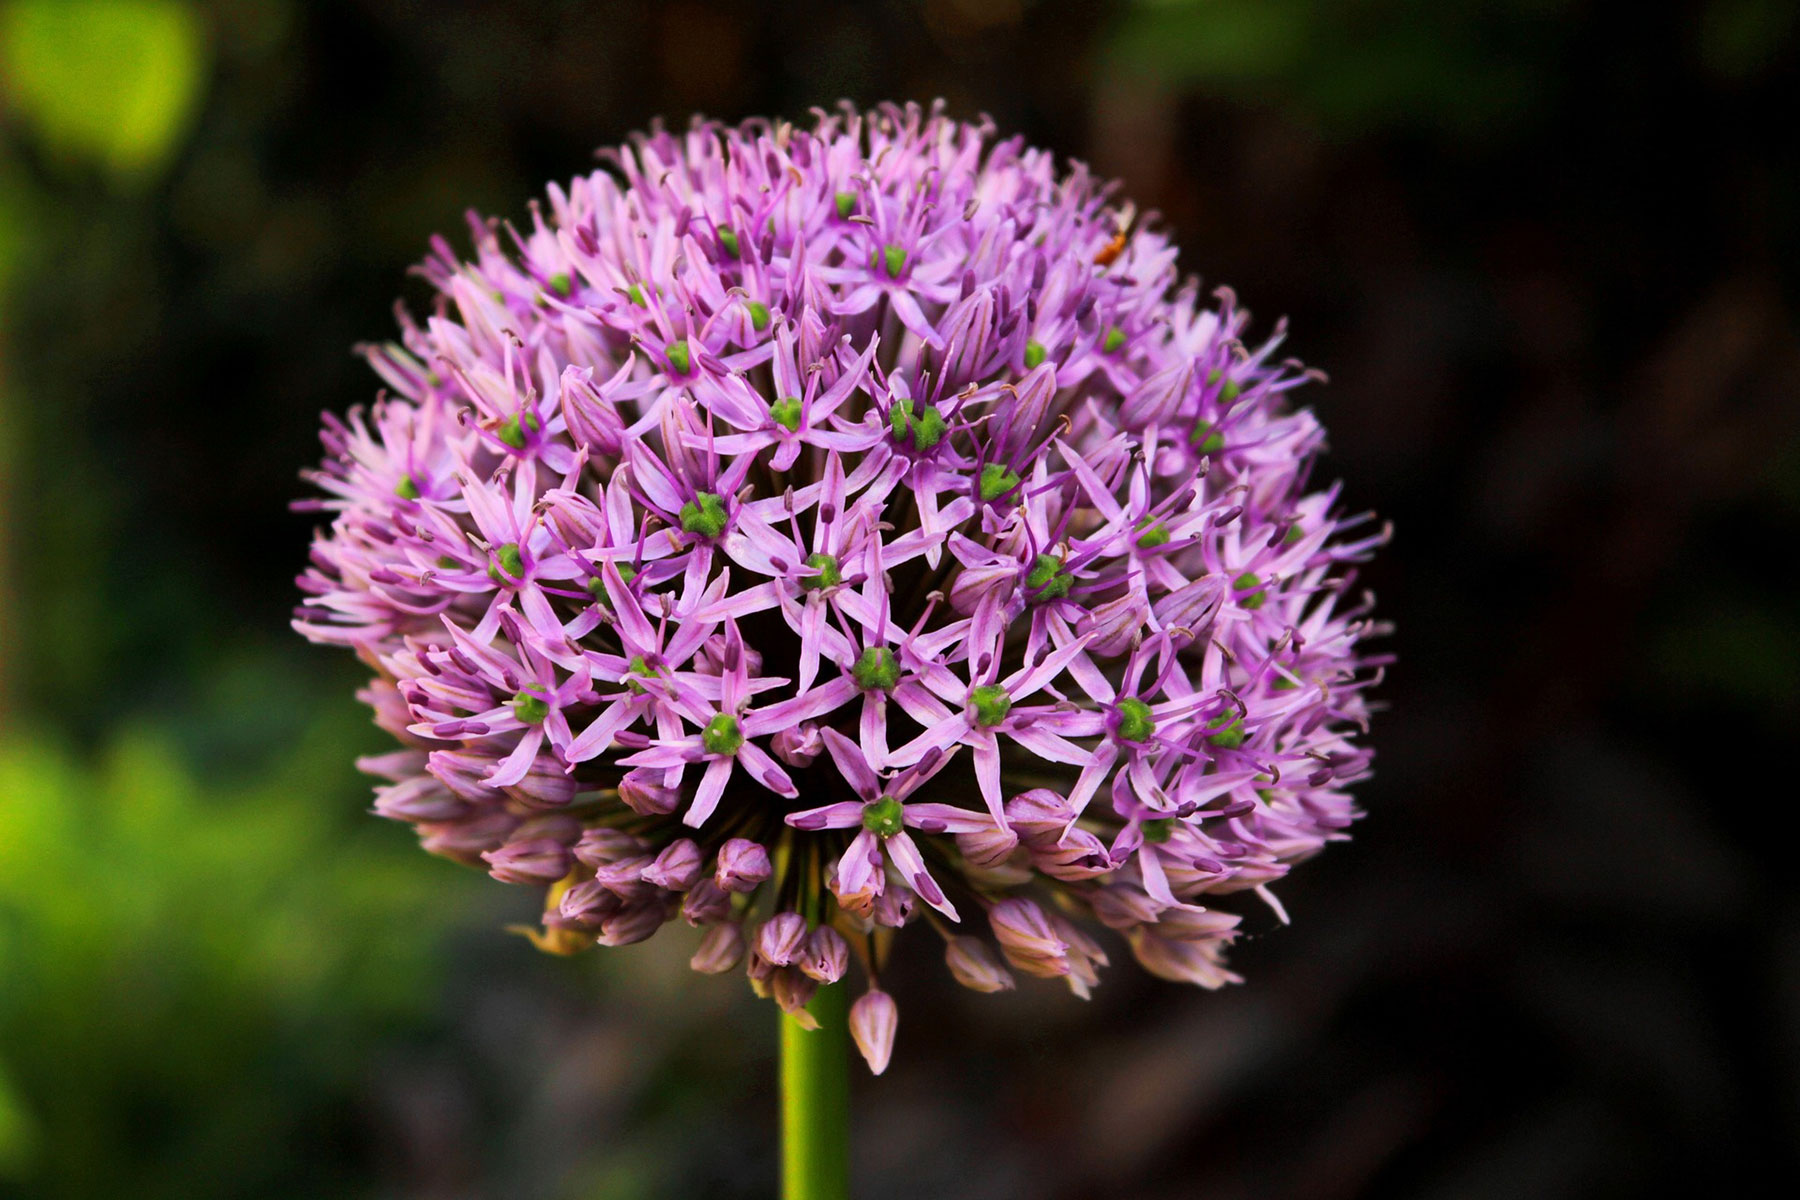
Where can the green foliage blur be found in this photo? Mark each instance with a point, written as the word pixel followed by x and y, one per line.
pixel 111 81
pixel 1465 66
pixel 187 970
pixel 202 935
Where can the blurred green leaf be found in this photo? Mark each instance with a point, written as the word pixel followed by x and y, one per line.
pixel 15 201
pixel 115 82
pixel 1732 648
pixel 1458 65
pixel 192 977
pixel 15 1130
pixel 1739 38
pixel 1224 40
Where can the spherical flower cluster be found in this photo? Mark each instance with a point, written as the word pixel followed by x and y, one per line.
pixel 808 532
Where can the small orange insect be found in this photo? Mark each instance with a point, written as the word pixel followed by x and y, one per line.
pixel 1116 247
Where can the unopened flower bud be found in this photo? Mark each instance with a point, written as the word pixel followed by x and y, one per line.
pixel 894 907
pixel 1122 905
pixel 1190 873
pixel 632 924
pixel 780 937
pixel 968 332
pixel 716 650
pixel 393 715
pixel 600 845
pixel 588 903
pixel 1191 607
pixel 721 947
pixel 1181 960
pixel 574 519
pixel 592 420
pixel 974 586
pixel 874 1019
pixel 643 792
pixel 1192 923
pixel 465 841
pixel 626 877
pixel 1071 856
pixel 556 826
pixel 534 861
pixel 464 773
pixel 421 798
pixel 825 955
pixel 743 865
pixel 975 966
pixel 989 846
pixel 797 745
pixel 793 990
pixel 677 867
pixel 1026 938
pixel 1156 399
pixel 546 785
pixel 1039 816
pixel 1085 956
pixel 705 903
pixel 1023 409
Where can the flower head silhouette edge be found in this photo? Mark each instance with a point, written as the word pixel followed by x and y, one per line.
pixel 807 531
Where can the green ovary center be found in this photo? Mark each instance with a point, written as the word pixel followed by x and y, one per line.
pixel 884 817
pixel 722 735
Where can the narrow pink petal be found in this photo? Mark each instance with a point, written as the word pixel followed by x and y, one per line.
pixel 905 857
pixel 987 774
pixel 766 770
pixel 513 767
pixel 825 698
pixel 599 733
pixel 1047 745
pixel 952 818
pixel 1022 684
pixel 872 731
pixel 845 814
pixel 1092 776
pixel 913 317
pixel 851 764
pixel 1155 881
pixel 712 786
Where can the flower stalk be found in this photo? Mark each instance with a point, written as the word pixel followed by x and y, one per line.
pixel 815 1101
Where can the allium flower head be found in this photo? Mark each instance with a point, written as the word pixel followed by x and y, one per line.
pixel 805 532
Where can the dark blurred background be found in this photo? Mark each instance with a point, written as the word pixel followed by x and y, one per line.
pixel 1546 249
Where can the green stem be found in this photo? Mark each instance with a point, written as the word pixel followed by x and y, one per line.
pixel 815 1101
